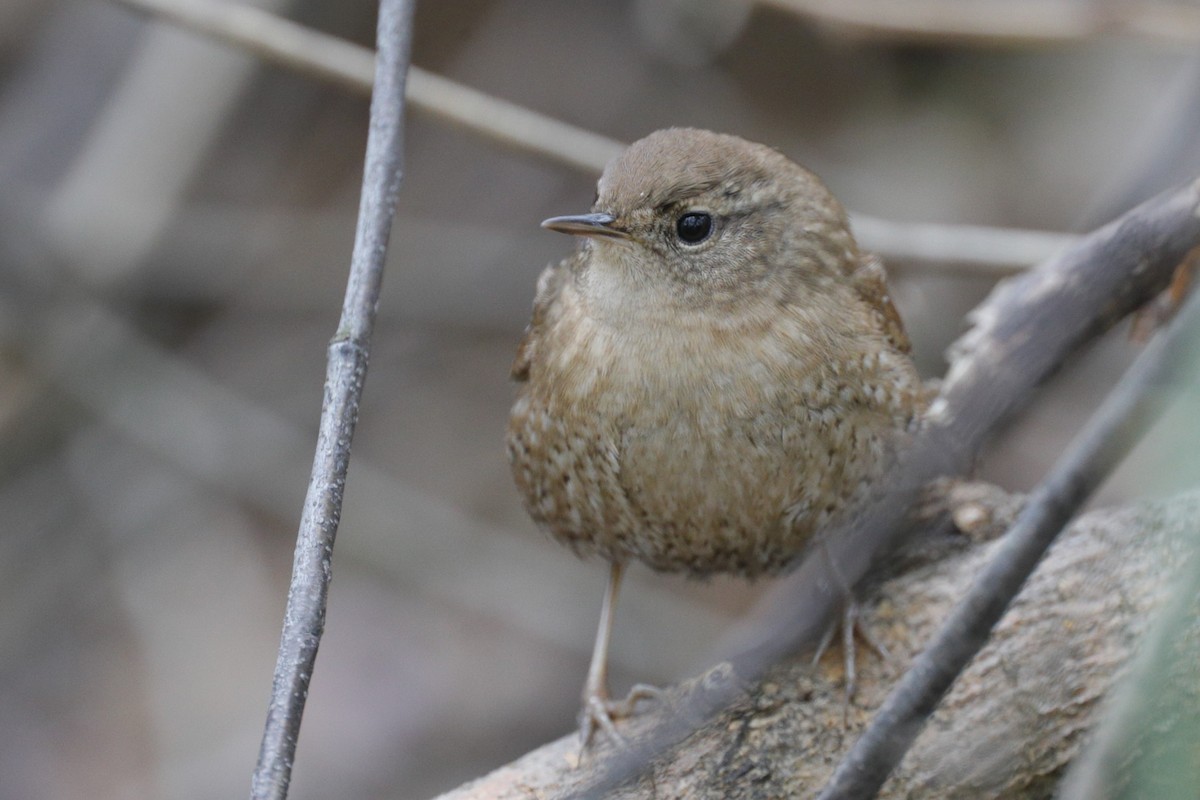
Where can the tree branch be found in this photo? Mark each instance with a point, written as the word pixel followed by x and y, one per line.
pixel 1150 715
pixel 282 41
pixel 1121 421
pixel 304 620
pixel 1005 731
pixel 1010 24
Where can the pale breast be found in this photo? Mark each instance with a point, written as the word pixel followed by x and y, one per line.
pixel 699 452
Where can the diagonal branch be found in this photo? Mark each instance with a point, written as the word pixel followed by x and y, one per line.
pixel 1022 334
pixel 285 42
pixel 1121 421
pixel 1013 24
pixel 986 250
pixel 304 620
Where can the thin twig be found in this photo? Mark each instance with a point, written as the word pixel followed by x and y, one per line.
pixel 1012 24
pixel 1121 421
pixel 974 248
pixel 304 620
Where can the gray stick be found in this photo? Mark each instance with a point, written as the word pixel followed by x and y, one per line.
pixel 304 619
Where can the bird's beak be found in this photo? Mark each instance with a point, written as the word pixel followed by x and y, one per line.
pixel 586 225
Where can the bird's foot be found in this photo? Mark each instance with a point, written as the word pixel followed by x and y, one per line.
pixel 851 624
pixel 600 713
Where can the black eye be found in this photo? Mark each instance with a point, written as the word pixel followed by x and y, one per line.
pixel 694 227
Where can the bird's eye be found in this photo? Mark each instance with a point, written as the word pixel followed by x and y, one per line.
pixel 694 227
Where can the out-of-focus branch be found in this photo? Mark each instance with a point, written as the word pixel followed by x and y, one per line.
pixel 1128 412
pixel 1150 715
pixel 304 620
pixel 145 140
pixel 957 247
pixel 1011 24
pixel 273 38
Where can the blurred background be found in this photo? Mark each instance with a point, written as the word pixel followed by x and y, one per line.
pixel 176 220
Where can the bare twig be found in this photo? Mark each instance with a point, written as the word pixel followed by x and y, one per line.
pixel 304 620
pixel 1124 417
pixel 973 247
pixel 1011 24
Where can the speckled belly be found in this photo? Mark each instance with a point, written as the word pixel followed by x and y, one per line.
pixel 696 491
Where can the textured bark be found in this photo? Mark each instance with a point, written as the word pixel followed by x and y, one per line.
pixel 1008 728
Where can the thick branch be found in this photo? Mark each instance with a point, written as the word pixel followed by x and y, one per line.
pixel 1013 721
pixel 1146 742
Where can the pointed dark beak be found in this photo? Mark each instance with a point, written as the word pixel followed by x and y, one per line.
pixel 586 225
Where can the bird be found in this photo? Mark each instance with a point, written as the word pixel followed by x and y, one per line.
pixel 715 374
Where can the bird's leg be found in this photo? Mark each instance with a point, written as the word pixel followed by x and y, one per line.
pixel 823 645
pixel 851 623
pixel 596 713
pixel 598 710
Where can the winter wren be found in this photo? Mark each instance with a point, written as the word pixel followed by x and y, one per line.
pixel 713 376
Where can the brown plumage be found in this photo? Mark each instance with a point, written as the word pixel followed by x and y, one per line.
pixel 703 394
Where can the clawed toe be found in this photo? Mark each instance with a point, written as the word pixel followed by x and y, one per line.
pixel 640 693
pixel 854 622
pixel 597 714
pixel 600 713
pixel 851 626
